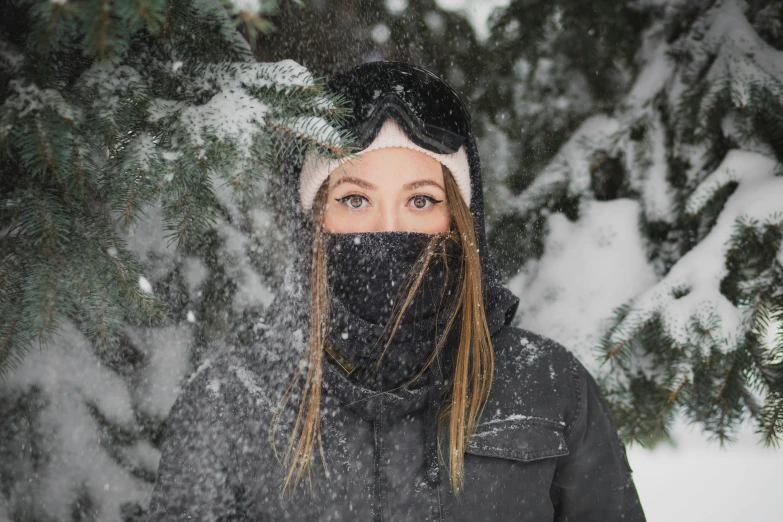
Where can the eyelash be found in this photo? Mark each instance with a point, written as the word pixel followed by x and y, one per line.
pixel 432 200
pixel 344 200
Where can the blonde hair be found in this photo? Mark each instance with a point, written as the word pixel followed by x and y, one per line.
pixel 473 369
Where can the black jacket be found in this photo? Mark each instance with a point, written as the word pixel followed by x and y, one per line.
pixel 545 449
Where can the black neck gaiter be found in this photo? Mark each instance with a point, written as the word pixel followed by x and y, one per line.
pixel 365 272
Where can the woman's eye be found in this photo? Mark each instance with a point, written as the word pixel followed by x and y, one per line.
pixel 353 200
pixel 421 201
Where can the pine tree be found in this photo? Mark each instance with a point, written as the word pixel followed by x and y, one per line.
pixel 694 140
pixel 554 64
pixel 139 148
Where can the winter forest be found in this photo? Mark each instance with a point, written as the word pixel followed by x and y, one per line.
pixel 632 156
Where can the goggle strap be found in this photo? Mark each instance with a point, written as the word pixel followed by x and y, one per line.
pixel 430 137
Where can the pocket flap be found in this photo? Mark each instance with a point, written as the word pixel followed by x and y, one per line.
pixel 524 439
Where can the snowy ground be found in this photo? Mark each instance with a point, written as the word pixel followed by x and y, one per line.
pixel 699 481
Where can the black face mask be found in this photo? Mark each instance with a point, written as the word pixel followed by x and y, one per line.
pixel 366 271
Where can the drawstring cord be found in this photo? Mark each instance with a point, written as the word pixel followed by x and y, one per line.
pixel 431 460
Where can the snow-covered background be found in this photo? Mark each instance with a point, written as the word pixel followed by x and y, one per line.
pixel 96 417
pixel 699 481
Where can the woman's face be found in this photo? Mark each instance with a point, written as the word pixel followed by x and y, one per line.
pixel 389 189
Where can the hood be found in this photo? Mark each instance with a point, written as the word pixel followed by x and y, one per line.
pixel 286 325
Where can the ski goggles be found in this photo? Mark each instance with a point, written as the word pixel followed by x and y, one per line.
pixel 427 108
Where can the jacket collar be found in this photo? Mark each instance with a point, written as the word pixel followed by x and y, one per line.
pixel 347 329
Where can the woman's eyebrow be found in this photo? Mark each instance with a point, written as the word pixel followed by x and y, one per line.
pixel 356 181
pixel 413 185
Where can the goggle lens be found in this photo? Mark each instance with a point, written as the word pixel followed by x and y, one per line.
pixel 426 107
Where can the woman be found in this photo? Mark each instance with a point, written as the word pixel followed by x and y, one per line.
pixel 388 383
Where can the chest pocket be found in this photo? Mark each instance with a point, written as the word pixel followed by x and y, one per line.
pixel 523 439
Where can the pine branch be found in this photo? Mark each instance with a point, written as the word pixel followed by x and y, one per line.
pixel 135 112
